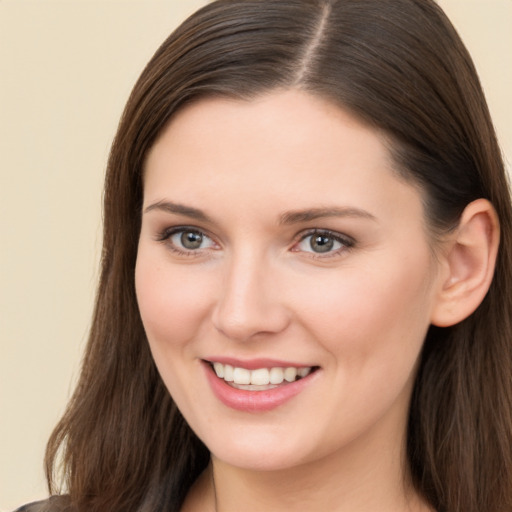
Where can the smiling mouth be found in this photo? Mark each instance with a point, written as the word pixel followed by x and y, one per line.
pixel 260 379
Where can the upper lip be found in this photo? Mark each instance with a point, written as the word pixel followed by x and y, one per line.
pixel 254 364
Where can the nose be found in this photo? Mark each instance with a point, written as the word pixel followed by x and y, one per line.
pixel 250 302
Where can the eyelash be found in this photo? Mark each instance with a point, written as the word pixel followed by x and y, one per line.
pixel 166 235
pixel 346 243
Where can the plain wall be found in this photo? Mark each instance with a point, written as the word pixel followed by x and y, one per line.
pixel 66 69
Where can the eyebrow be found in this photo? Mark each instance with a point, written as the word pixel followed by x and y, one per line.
pixel 287 218
pixel 180 209
pixel 294 217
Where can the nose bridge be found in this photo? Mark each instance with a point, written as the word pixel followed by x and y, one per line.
pixel 250 302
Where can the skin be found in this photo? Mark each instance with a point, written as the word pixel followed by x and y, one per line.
pixel 257 289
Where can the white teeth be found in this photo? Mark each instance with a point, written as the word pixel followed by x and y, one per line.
pixel 241 376
pixel 276 375
pixel 228 373
pixel 290 374
pixel 303 372
pixel 219 370
pixel 260 376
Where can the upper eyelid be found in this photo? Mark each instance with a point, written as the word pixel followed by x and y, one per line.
pixel 166 233
pixel 164 236
pixel 347 243
pixel 322 231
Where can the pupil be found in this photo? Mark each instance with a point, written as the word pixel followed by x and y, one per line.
pixel 321 243
pixel 191 240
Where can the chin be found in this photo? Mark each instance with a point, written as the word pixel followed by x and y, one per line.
pixel 259 461
pixel 258 453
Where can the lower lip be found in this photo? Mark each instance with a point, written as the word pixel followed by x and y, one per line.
pixel 255 401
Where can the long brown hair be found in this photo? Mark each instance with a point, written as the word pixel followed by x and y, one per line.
pixel 399 66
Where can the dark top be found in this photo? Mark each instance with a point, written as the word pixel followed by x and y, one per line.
pixel 53 504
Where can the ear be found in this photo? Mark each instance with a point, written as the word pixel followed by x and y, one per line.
pixel 467 264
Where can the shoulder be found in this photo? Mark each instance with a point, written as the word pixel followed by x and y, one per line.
pixel 53 504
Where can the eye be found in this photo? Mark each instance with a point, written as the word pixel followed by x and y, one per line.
pixel 322 242
pixel 190 240
pixel 186 240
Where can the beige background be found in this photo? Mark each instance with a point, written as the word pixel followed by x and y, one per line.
pixel 66 68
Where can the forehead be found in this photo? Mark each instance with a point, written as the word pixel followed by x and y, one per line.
pixel 286 148
pixel 295 116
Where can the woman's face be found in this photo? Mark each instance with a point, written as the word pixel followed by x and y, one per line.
pixel 277 241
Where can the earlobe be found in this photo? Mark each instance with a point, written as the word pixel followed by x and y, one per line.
pixel 469 262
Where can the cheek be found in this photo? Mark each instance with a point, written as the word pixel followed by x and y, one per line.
pixel 372 324
pixel 172 301
pixel 173 304
pixel 369 313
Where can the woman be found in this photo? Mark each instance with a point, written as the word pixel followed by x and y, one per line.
pixel 305 294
